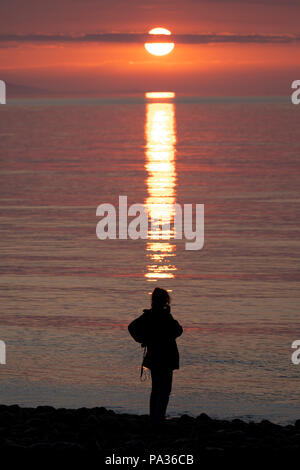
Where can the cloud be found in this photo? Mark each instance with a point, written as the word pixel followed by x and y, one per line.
pixel 138 38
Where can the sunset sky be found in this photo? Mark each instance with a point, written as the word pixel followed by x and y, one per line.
pixel 241 47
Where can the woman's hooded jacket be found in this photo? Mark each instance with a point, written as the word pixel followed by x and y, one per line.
pixel 158 330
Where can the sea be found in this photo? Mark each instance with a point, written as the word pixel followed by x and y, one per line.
pixel 67 296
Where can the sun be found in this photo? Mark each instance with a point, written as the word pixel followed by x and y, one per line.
pixel 159 48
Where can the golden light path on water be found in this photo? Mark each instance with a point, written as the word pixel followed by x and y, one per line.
pixel 160 134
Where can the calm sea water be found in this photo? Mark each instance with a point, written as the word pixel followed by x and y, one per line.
pixel 67 297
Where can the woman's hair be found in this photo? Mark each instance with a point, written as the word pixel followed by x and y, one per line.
pixel 160 298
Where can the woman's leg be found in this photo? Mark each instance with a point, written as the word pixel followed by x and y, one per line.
pixel 154 395
pixel 166 387
pixel 161 389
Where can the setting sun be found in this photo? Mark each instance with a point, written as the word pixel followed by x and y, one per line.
pixel 159 48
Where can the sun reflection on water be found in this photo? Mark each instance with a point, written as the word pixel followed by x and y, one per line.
pixel 160 137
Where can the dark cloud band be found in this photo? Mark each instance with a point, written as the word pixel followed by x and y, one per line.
pixel 141 38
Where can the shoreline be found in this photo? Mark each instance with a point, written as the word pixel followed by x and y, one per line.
pixel 47 430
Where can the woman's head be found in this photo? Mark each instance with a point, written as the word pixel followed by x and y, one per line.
pixel 160 298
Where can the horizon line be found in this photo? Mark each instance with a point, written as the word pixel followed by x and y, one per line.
pixel 140 38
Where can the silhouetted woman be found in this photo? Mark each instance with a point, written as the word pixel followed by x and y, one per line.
pixel 157 330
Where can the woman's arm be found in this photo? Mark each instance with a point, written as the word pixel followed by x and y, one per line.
pixel 177 329
pixel 136 329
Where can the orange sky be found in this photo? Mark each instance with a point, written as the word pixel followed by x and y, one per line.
pixel 212 69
